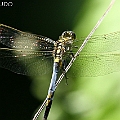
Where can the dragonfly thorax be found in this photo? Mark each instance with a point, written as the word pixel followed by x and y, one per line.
pixel 58 51
pixel 63 45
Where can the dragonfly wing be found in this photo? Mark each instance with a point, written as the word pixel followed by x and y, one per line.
pixel 100 43
pixel 100 56
pixel 14 38
pixel 90 65
pixel 30 64
pixel 26 52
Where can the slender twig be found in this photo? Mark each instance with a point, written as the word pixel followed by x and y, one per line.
pixel 75 56
pixel 85 42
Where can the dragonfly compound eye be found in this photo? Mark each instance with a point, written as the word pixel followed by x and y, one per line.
pixel 68 35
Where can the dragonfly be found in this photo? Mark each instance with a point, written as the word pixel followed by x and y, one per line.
pixel 23 43
pixel 30 54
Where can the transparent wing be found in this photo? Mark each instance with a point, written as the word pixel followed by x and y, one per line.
pixel 100 56
pixel 97 64
pixel 26 53
pixel 14 38
pixel 27 63
pixel 101 43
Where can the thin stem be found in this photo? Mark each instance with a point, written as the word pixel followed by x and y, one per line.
pixel 84 43
pixel 75 56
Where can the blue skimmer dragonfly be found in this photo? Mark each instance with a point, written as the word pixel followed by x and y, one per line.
pixel 29 54
pixel 20 44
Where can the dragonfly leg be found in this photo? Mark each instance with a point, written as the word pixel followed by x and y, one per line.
pixel 72 55
pixel 63 70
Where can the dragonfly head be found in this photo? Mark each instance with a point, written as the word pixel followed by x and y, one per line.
pixel 68 35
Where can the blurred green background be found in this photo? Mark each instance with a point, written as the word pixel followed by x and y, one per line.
pixel 84 98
